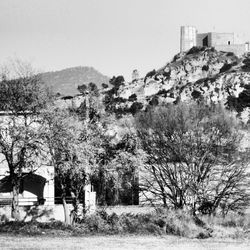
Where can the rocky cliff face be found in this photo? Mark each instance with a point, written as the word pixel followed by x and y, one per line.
pixel 201 74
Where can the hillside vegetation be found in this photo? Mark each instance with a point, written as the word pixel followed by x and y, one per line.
pixel 201 74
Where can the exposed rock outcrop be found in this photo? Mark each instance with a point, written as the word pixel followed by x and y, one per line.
pixel 200 74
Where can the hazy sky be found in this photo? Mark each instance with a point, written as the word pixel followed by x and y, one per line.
pixel 114 36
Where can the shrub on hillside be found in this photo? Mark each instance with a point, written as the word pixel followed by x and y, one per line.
pixel 205 67
pixel 196 94
pixel 225 67
pixel 246 66
pixel 135 107
pixel 166 74
pixel 163 92
pixel 229 54
pixel 240 102
pixel 154 101
pixel 132 98
pixel 150 74
pixel 105 86
pixel 195 50
pixel 246 61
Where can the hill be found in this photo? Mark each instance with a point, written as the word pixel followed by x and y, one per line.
pixel 200 74
pixel 66 81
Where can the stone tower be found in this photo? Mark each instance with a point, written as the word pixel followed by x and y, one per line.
pixel 188 37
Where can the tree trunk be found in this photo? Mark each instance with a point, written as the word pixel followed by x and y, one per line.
pixel 15 203
pixel 66 211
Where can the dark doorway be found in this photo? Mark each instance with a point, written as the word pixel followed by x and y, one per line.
pixel 205 42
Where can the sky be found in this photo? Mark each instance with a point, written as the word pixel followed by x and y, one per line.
pixel 113 36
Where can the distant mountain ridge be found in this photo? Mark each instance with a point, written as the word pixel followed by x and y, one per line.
pixel 66 81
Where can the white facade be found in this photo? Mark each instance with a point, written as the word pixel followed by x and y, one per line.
pixel 27 198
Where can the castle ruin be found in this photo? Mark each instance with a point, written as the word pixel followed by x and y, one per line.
pixel 190 37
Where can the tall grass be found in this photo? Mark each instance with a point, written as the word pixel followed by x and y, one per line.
pixel 160 222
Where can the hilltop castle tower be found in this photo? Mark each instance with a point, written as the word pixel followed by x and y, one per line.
pixel 189 37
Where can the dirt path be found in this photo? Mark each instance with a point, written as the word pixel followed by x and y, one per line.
pixel 119 242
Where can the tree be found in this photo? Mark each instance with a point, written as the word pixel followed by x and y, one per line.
pixel 116 178
pixel 91 108
pixel 22 99
pixel 73 149
pixel 194 157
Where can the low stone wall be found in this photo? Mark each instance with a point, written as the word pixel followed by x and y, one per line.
pixel 39 213
pixel 237 49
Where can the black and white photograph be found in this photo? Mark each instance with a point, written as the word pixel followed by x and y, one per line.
pixel 125 124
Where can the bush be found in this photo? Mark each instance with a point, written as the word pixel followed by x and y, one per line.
pixel 166 74
pixel 154 101
pixel 195 50
pixel 162 221
pixel 246 66
pixel 196 94
pixel 225 67
pixel 230 54
pixel 95 223
pixel 135 107
pixel 150 74
pixel 205 67
pixel 133 98
pixel 163 92
pixel 246 61
pixel 105 86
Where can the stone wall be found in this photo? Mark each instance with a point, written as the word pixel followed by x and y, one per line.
pixel 222 39
pixel 40 213
pixel 237 49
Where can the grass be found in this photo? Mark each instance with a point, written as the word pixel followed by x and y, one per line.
pixel 119 242
pixel 161 222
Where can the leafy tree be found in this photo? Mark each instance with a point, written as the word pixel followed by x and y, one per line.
pixel 150 74
pixel 22 99
pixel 241 102
pixel 194 158
pixel 111 100
pixel 91 108
pixel 132 98
pixel 116 178
pixel 62 134
pixel 136 107
pixel 82 89
pixel 73 149
pixel 117 81
pixel 105 86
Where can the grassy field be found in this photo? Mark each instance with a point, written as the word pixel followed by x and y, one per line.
pixel 120 242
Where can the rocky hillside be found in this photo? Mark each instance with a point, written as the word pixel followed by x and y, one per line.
pixel 66 81
pixel 200 74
